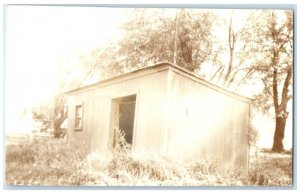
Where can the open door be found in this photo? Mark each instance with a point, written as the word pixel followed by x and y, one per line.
pixel 123 116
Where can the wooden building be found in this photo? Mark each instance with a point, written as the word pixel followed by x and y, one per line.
pixel 164 110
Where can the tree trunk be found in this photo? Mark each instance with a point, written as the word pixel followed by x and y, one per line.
pixel 279 134
pixel 58 133
pixel 231 44
pixel 186 51
pixel 280 110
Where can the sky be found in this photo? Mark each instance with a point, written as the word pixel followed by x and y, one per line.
pixel 41 38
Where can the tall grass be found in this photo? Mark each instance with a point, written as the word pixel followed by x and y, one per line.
pixel 47 161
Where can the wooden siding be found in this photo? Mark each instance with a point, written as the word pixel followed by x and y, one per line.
pixel 204 124
pixel 149 113
pixel 177 115
pixel 79 138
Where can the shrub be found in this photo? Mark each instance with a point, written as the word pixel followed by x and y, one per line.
pixel 41 161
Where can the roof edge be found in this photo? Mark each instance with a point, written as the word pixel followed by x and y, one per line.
pixel 210 84
pixel 161 64
pixel 167 65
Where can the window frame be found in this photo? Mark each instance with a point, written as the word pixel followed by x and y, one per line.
pixel 76 127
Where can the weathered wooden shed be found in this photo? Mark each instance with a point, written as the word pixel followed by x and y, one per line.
pixel 164 110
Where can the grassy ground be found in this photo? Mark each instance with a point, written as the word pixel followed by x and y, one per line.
pixel 47 161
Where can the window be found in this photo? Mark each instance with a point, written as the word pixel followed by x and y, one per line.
pixel 78 117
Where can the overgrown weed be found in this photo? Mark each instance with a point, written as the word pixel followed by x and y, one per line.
pixel 47 161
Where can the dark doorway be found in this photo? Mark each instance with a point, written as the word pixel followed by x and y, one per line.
pixel 123 116
pixel 126 116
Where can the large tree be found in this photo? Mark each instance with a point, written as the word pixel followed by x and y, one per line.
pixel 183 37
pixel 275 38
pixel 150 36
pixel 233 56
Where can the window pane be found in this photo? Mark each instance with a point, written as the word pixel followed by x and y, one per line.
pixel 79 111
pixel 78 123
pixel 78 116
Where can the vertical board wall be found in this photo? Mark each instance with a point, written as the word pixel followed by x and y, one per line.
pixel 205 124
pixel 176 116
pixel 149 121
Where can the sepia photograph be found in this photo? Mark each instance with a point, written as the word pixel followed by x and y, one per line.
pixel 162 96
